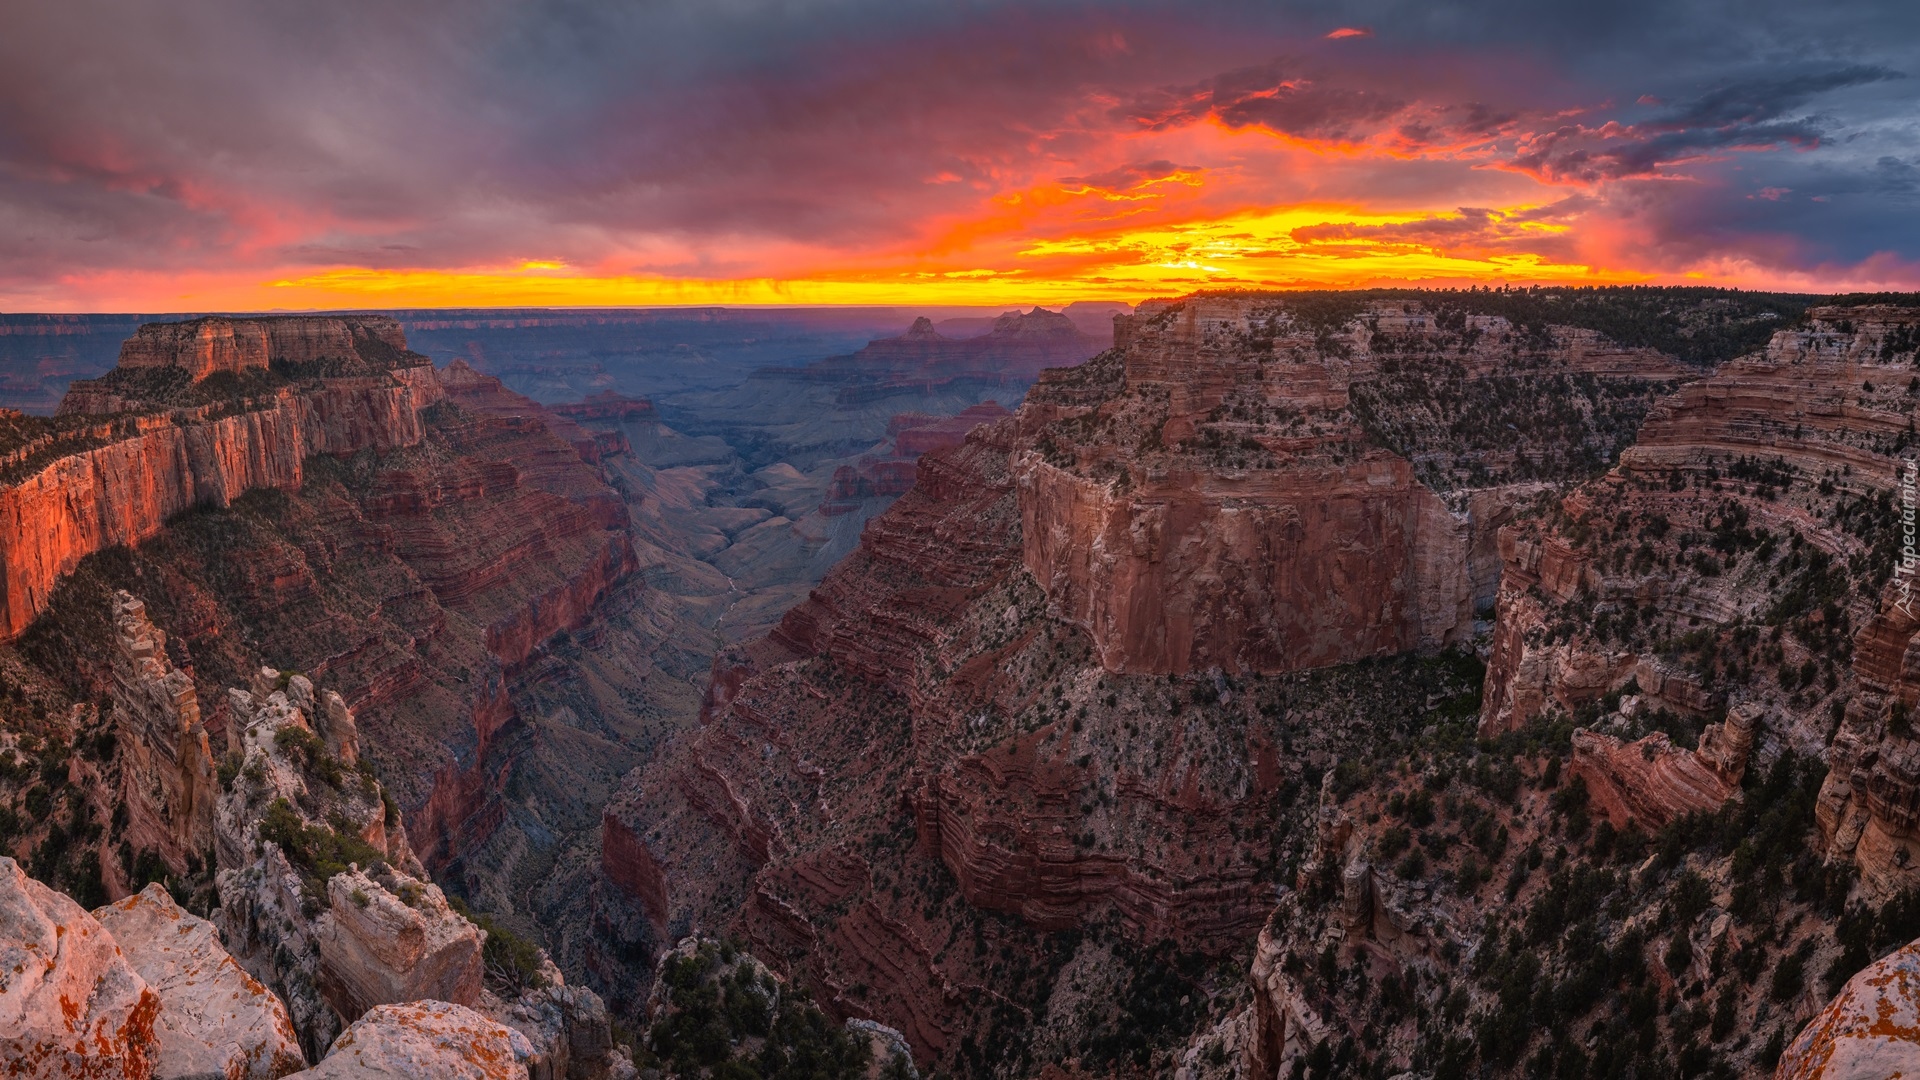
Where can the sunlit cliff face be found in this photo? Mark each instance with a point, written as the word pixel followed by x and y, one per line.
pixel 224 155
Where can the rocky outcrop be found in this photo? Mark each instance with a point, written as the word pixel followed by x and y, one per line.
pixel 290 812
pixel 214 1019
pixel 118 481
pixel 569 1030
pixel 421 1040
pixel 1016 350
pixel 70 1003
pixel 1869 806
pixel 203 346
pixel 1284 1025
pixel 388 937
pixel 1870 1031
pixel 1741 495
pixel 166 761
pixel 1652 782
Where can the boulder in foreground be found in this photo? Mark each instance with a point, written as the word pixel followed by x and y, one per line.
pixel 215 1019
pixel 424 1040
pixel 1870 1031
pixel 70 1004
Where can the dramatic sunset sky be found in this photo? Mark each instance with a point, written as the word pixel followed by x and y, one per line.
pixel 232 154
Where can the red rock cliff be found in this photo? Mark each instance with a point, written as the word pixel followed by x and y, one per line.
pixel 216 343
pixel 124 478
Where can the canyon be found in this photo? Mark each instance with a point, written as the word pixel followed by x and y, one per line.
pixel 1010 716
pixel 1489 683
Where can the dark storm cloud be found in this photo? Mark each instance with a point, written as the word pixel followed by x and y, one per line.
pixel 676 135
pixel 1277 96
pixel 1133 175
pixel 1748 114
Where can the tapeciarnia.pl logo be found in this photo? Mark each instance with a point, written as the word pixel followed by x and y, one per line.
pixel 1909 481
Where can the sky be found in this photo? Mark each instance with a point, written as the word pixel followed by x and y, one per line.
pixel 239 155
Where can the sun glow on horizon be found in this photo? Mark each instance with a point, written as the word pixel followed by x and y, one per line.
pixel 1004 259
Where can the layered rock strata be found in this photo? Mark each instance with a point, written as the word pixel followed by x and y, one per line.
pixel 1651 782
pixel 1754 529
pixel 1779 443
pixel 1869 807
pixel 126 475
pixel 201 347
pixel 1042 662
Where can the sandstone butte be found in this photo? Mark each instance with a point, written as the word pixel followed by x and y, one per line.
pixel 1204 497
pixel 133 467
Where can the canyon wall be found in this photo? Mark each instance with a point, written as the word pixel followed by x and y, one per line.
pixel 413 538
pixel 216 343
pixel 1798 442
pixel 125 476
pixel 1745 555
pixel 1323 565
pixel 1078 669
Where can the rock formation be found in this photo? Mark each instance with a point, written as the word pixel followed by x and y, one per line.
pixel 1652 782
pixel 1762 497
pixel 214 1018
pixel 1044 659
pixel 1703 525
pixel 424 1039
pixel 1284 1024
pixel 203 346
pixel 70 1003
pixel 290 818
pixel 388 938
pixel 167 775
pixel 1870 805
pixel 1235 464
pixel 569 1030
pixel 1870 1030
pixel 99 478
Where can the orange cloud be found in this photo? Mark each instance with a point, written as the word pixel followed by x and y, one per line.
pixel 1350 32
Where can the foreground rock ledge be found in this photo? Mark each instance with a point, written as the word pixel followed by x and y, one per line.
pixel 423 1039
pixel 70 1004
pixel 215 1019
pixel 1871 1031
